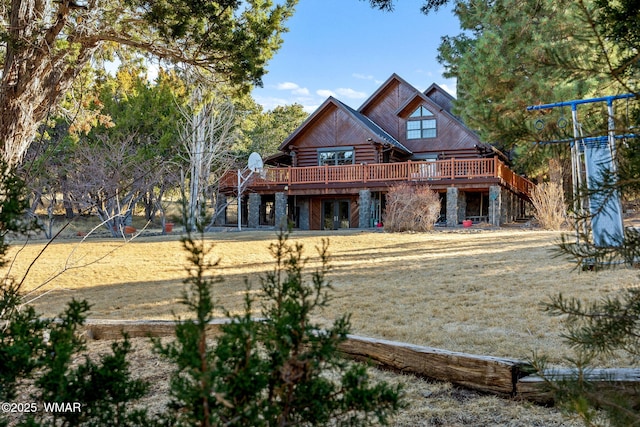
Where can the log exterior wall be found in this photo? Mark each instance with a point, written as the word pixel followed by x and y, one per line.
pixel 334 128
pixel 391 107
pixel 382 155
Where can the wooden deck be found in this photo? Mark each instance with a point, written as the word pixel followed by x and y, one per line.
pixel 365 175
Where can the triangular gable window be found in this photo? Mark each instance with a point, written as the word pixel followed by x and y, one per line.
pixel 421 111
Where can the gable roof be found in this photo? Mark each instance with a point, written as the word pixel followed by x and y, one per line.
pixel 377 130
pixel 423 100
pixel 367 123
pixel 393 78
pixel 440 96
pixel 434 97
pixel 442 101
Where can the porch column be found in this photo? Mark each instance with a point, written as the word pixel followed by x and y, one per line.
pixel 513 207
pixel 507 208
pixel 281 220
pixel 253 219
pixel 452 206
pixel 462 206
pixel 495 205
pixel 364 203
pixel 303 218
pixel 221 202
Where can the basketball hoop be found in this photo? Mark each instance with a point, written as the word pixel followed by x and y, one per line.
pixel 254 165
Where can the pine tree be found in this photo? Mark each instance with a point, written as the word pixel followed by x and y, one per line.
pixel 272 371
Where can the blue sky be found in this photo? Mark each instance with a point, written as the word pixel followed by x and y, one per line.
pixel 347 49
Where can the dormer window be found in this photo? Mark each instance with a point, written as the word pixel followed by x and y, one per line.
pixel 421 124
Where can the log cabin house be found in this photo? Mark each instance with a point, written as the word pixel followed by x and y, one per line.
pixel 335 169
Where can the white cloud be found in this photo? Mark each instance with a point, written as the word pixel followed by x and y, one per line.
pixel 351 93
pixel 152 72
pixel 301 91
pixel 427 73
pixel 287 86
pixel 368 77
pixel 362 76
pixel 293 87
pixel 310 108
pixel 325 93
pixel 449 88
pixel 341 93
pixel 269 102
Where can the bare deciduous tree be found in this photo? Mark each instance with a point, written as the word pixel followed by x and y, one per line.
pixel 411 208
pixel 111 178
pixel 550 208
pixel 208 133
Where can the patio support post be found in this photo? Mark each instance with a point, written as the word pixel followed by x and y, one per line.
pixel 462 206
pixel 509 206
pixel 303 204
pixel 281 211
pixel 253 220
pixel 365 209
pixel 495 205
pixel 221 204
pixel 452 207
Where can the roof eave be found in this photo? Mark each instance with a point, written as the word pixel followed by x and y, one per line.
pixel 309 120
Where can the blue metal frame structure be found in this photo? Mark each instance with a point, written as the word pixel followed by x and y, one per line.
pixel 591 159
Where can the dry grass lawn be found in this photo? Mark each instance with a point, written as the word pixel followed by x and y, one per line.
pixel 476 291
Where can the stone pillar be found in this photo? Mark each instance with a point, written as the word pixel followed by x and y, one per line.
pixel 221 202
pixel 495 205
pixel 365 209
pixel 452 206
pixel 281 220
pixel 303 218
pixel 507 208
pixel 462 206
pixel 253 205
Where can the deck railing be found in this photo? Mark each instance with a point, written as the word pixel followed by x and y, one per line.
pixel 389 172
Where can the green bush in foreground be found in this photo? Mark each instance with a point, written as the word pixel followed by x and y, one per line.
pixel 38 356
pixel 611 325
pixel 599 328
pixel 280 371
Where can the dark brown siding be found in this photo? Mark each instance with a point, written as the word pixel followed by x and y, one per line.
pixel 378 110
pixel 453 139
pixel 382 110
pixel 355 214
pixel 333 128
pixel 441 99
pixel 315 214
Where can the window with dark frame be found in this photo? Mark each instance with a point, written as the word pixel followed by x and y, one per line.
pixel 421 124
pixel 336 156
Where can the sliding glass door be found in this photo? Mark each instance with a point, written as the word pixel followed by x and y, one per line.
pixel 335 214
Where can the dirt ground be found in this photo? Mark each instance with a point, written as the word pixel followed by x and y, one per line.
pixel 473 290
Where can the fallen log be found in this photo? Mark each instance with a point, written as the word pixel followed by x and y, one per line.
pixel 483 373
pixel 539 388
pixel 113 329
pixel 501 376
